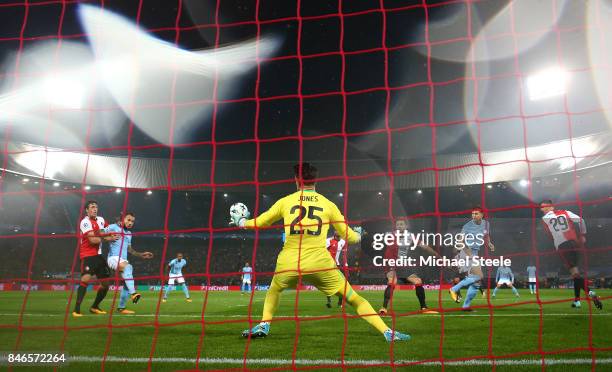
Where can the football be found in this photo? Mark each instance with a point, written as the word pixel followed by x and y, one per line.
pixel 239 209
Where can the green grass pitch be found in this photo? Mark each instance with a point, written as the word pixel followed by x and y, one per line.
pixel 316 339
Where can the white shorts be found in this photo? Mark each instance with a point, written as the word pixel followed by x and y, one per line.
pixel 113 261
pixel 532 280
pixel 246 281
pixel 178 277
pixel 504 281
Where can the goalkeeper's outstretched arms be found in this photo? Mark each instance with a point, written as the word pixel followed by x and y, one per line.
pixel 239 216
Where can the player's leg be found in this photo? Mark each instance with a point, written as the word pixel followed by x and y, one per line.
pixel 456 281
pixel 513 288
pixel 185 288
pixel 248 286
pixel 467 281
pixel 497 287
pixel 123 297
pixel 475 274
pixel 391 283
pixel 581 283
pixel 169 288
pixel 102 272
pixel 280 281
pixel 471 293
pixel 100 295
pixel 570 255
pixel 242 286
pixel 81 291
pixel 323 281
pixel 482 288
pixel 419 292
pixel 126 271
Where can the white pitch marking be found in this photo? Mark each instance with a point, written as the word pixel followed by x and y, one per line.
pixel 264 361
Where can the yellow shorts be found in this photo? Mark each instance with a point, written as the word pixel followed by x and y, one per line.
pixel 329 282
pixel 320 272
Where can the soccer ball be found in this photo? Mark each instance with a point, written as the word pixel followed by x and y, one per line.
pixel 239 210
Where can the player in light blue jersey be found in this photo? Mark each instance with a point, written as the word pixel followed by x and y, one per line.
pixel 117 259
pixel 505 277
pixel 475 235
pixel 533 278
pixel 246 279
pixel 175 268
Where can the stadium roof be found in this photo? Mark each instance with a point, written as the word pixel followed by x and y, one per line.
pixel 365 174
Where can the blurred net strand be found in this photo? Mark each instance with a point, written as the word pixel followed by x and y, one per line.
pixel 529 185
pixel 254 274
pixel 576 184
pixel 116 278
pixel 344 164
pixel 15 83
pixel 169 175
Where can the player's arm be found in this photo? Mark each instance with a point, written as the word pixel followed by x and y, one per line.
pixel 110 234
pixel 338 253
pixel 93 239
pixel 487 237
pixel 145 254
pixel 581 224
pixel 339 223
pixel 511 277
pixel 267 218
pixel 489 243
pixel 579 220
pixel 89 233
pixel 498 274
pixel 343 245
pixel 110 237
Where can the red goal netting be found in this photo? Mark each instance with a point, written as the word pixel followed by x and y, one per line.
pixel 410 109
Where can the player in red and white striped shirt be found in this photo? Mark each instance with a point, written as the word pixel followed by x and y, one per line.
pixel 560 225
pixel 335 247
pixel 92 262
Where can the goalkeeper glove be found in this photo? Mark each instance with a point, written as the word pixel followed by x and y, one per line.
pixel 238 218
pixel 358 230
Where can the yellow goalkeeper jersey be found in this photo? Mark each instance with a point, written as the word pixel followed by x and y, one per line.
pixel 306 216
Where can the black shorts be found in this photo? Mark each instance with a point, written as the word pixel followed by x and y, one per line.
pixel 95 265
pixel 568 251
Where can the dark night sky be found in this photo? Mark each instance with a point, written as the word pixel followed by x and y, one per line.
pixel 364 58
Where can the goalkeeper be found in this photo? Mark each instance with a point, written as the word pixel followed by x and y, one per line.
pixel 306 217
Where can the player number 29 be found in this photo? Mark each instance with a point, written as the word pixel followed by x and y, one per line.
pixel 559 223
pixel 302 213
